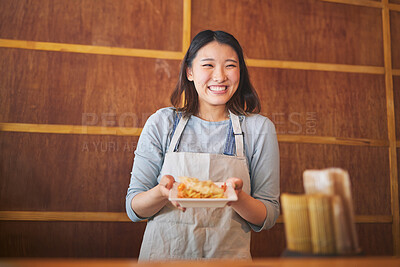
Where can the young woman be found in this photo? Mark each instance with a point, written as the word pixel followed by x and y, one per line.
pixel 216 134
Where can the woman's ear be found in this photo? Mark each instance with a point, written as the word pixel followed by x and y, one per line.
pixel 189 74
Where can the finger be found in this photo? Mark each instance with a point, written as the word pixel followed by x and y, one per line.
pixel 178 206
pixel 235 182
pixel 167 181
pixel 183 209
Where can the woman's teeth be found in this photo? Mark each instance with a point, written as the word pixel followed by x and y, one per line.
pixel 217 88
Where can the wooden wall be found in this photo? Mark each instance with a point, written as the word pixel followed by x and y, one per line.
pixel 79 79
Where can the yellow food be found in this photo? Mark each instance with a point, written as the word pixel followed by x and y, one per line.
pixel 193 188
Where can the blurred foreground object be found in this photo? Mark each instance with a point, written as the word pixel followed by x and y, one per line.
pixel 297 223
pixel 327 209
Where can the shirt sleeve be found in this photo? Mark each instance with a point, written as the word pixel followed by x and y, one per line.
pixel 263 156
pixel 149 156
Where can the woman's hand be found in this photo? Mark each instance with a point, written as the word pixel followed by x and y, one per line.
pixel 165 185
pixel 148 203
pixel 249 208
pixel 237 184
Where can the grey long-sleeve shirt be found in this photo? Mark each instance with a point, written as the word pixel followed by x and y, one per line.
pixel 261 149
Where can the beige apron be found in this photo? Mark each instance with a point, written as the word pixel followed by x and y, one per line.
pixel 200 232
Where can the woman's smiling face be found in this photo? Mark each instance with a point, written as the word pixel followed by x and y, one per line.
pixel 216 74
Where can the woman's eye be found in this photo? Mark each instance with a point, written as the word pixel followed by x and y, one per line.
pixel 208 65
pixel 231 66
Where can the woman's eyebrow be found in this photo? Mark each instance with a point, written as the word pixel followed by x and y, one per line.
pixel 207 59
pixel 211 59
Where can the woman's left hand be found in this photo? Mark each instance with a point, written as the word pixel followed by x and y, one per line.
pixel 249 208
pixel 237 184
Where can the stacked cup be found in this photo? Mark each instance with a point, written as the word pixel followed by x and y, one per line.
pixel 321 222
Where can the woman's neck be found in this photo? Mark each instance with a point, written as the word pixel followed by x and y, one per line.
pixel 213 114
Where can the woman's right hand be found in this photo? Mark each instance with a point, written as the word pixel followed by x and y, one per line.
pixel 166 184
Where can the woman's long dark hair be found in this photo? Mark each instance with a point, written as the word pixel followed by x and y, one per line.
pixel 244 101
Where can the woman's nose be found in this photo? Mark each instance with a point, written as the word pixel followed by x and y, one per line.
pixel 219 75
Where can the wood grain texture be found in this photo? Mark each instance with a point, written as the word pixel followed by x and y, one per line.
pixel 298 65
pixel 154 24
pixel 108 239
pixel 72 129
pixel 396 93
pixel 187 23
pixel 46 172
pixel 391 128
pixel 270 243
pixel 64 173
pixel 312 139
pixel 104 240
pixel 78 89
pixel 394 7
pixel 368 168
pixel 310 30
pixel 83 216
pixel 375 239
pixel 73 216
pixel 126 131
pixel 369 3
pixel 91 49
pixel 71 239
pixel 370 238
pixel 323 103
pixel 395 38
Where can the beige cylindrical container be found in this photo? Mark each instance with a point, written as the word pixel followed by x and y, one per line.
pixel 296 222
pixel 321 224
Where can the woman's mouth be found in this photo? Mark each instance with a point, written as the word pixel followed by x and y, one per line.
pixel 218 88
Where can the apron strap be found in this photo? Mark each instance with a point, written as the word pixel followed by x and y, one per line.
pixel 177 133
pixel 237 132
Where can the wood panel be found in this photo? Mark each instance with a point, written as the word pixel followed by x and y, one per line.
pixel 396 98
pixel 133 24
pixel 58 172
pixel 68 88
pixel 367 166
pixel 70 239
pixel 48 172
pixel 270 243
pixel 369 3
pixel 123 240
pixel 374 239
pixel 395 37
pixel 310 30
pixel 323 103
pixel 98 50
pixel 391 127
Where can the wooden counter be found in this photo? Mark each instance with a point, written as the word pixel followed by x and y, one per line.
pixel 270 262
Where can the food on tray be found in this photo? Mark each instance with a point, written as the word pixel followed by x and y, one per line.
pixel 193 188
